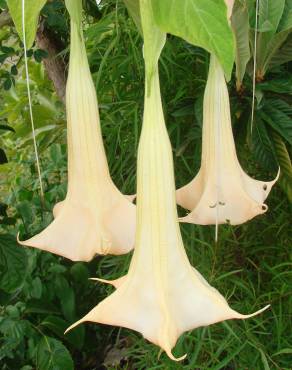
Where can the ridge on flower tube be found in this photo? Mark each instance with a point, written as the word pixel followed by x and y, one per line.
pixel 95 218
pixel 162 296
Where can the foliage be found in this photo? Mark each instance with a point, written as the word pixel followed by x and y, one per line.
pixel 273 77
pixel 41 294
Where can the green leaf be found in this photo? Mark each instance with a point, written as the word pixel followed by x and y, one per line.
pixel 264 359
pixel 271 49
pixel 36 288
pixel 66 296
pixel 200 22
pixel 7 84
pixel 285 164
pixel 283 54
pixel 3 157
pixel 133 7
pixel 286 20
pixel 281 85
pixel 58 327
pixel 53 355
pixel 284 351
pixel 262 146
pixel 154 39
pixel 270 13
pixel 240 25
pixel 276 113
pixel 268 41
pixel 80 273
pixel 7 128
pixel 13 263
pixel 32 11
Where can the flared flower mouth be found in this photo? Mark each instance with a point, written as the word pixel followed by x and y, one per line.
pixel 221 192
pixel 95 218
pixel 162 296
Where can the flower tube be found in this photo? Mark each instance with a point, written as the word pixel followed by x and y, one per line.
pixel 221 192
pixel 95 217
pixel 162 295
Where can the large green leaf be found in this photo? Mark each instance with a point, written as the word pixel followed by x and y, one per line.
pixel 53 355
pixel 133 7
pixel 200 22
pixel 240 25
pixel 32 11
pixel 13 263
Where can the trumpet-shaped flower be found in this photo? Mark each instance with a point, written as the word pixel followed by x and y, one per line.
pixel 95 217
pixel 162 295
pixel 221 192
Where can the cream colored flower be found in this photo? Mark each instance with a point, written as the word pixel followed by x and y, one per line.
pixel 95 217
pixel 221 192
pixel 162 295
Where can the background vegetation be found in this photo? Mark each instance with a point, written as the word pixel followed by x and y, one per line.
pixel 41 294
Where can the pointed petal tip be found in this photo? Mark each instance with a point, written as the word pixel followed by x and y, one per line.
pixel 75 324
pixel 278 174
pixel 101 280
pixel 186 219
pixel 240 316
pixel 172 357
pixel 17 238
pixel 24 243
pixel 131 198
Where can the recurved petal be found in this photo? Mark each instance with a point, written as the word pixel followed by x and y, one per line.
pixel 162 315
pixel 116 283
pixel 73 234
pixel 258 190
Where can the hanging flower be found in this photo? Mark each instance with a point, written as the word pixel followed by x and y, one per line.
pixel 221 192
pixel 95 217
pixel 162 295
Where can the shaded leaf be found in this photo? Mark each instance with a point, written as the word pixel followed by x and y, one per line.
pixel 53 355
pixel 133 7
pixel 240 25
pixel 262 146
pixel 283 54
pixel 58 327
pixel 3 158
pixel 13 263
pixel 285 164
pixel 286 20
pixel 277 114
